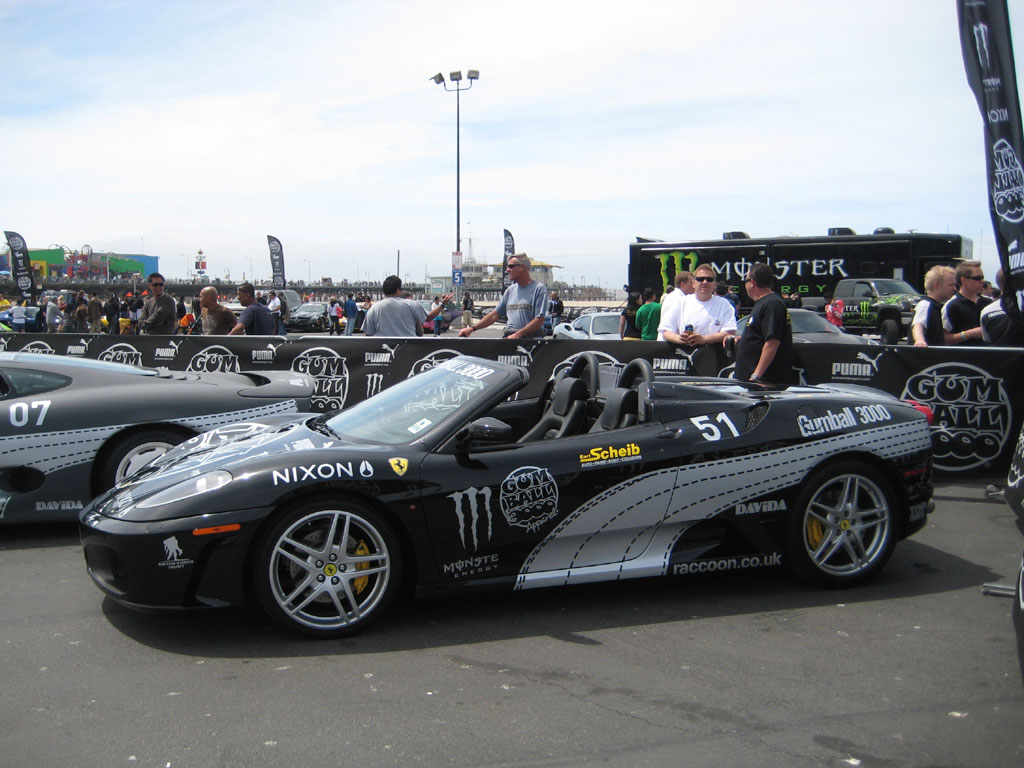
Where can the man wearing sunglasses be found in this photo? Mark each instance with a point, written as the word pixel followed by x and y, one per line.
pixel 961 315
pixel 525 302
pixel 700 318
pixel 159 313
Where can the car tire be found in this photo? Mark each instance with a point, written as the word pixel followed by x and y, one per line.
pixel 889 330
pixel 133 452
pixel 843 528
pixel 327 569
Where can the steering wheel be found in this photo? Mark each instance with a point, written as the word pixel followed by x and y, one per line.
pixel 636 369
pixel 588 361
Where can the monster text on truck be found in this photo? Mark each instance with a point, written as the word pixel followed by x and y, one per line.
pixel 808 266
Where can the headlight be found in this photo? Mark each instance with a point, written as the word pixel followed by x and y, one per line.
pixel 186 489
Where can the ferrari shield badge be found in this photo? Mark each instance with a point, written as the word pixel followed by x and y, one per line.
pixel 400 465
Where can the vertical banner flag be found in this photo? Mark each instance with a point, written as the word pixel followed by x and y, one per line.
pixel 21 267
pixel 510 248
pixel 276 261
pixel 988 59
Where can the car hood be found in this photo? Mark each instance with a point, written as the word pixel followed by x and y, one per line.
pixel 276 451
pixel 903 299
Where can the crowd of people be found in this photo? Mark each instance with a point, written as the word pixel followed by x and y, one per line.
pixel 699 314
pixel 962 308
pixel 699 311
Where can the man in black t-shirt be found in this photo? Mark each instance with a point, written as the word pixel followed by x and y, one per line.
pixel 961 317
pixel 765 350
pixel 997 329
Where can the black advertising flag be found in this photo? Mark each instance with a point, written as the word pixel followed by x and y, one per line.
pixel 988 59
pixel 276 260
pixel 510 248
pixel 21 266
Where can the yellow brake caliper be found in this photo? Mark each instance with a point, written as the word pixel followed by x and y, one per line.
pixel 360 584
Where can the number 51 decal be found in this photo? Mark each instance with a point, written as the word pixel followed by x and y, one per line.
pixel 711 432
pixel 21 412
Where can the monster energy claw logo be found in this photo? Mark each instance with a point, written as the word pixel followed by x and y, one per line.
pixel 472 501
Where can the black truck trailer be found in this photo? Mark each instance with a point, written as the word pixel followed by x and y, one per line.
pixel 807 266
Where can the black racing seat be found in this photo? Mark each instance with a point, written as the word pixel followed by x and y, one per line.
pixel 566 413
pixel 620 410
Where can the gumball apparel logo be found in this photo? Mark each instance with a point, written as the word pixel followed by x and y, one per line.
pixel 330 372
pixel 38 347
pixel 972 413
pixel 529 498
pixel 215 359
pixel 122 353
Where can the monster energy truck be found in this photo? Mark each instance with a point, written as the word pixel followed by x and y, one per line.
pixel 883 306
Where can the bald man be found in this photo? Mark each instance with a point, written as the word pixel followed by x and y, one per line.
pixel 218 320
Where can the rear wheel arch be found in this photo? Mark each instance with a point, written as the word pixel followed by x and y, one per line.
pixel 886 468
pixel 845 522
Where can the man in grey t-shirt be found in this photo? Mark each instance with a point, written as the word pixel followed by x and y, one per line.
pixel 394 315
pixel 525 302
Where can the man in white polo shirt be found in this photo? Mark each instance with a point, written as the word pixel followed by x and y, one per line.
pixel 683 281
pixel 701 318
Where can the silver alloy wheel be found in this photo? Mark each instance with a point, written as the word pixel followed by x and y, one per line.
pixel 329 569
pixel 139 456
pixel 847 525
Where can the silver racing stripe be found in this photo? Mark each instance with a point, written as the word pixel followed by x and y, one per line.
pixel 629 532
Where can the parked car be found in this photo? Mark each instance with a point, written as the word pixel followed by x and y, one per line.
pixel 446 316
pixel 597 325
pixel 35 321
pixel 446 479
pixel 810 327
pixel 878 306
pixel 75 426
pixel 309 317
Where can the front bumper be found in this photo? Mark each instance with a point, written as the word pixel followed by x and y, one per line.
pixel 189 562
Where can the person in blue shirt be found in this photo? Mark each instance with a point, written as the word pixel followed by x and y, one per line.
pixel 351 312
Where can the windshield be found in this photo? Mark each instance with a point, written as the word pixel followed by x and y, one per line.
pixel 886 287
pixel 606 324
pixel 314 309
pixel 809 322
pixel 411 409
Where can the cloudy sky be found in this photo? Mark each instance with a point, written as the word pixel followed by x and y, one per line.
pixel 163 128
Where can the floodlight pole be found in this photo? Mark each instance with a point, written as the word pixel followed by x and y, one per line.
pixel 456 78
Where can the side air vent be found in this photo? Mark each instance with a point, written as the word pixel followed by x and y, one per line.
pixel 755 415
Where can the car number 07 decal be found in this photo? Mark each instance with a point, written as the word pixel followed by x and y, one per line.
pixel 709 431
pixel 20 412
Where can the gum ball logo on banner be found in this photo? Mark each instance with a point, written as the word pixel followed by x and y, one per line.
pixel 330 372
pixel 1008 191
pixel 972 413
pixel 432 360
pixel 122 353
pixel 529 498
pixel 604 360
pixel 215 359
pixel 38 347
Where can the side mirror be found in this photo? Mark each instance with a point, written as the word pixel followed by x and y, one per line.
pixel 485 430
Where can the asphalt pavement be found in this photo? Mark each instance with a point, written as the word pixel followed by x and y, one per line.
pixel 746 668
